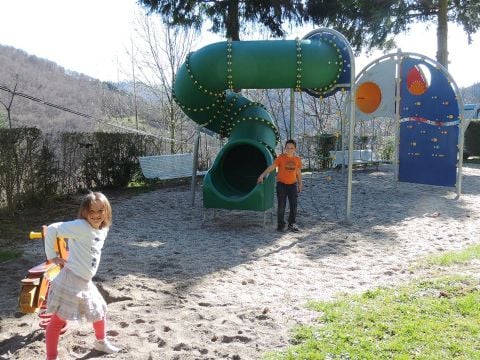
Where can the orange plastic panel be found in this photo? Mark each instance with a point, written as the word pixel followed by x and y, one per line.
pixel 368 97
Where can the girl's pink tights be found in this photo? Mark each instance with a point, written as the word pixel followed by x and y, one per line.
pixel 52 334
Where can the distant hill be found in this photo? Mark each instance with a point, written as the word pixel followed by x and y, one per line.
pixel 471 94
pixel 47 81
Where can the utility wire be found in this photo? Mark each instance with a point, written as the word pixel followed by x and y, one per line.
pixel 91 117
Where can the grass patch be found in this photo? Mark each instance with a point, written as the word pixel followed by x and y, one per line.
pixel 464 256
pixel 431 319
pixel 9 254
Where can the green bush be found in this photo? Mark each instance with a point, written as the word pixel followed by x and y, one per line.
pixel 387 151
pixel 34 168
pixel 326 143
pixel 19 157
pixel 112 160
pixel 472 140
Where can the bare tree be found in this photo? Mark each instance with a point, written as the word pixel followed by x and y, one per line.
pixel 8 102
pixel 160 51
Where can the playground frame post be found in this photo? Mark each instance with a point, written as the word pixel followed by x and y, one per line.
pixel 195 162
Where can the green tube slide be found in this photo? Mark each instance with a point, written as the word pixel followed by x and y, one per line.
pixel 204 89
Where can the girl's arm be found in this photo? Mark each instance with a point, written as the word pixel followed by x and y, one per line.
pixel 50 239
pixel 69 229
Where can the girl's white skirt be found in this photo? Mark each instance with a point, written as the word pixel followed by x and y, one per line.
pixel 74 298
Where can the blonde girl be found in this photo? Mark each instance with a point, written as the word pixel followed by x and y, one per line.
pixel 72 294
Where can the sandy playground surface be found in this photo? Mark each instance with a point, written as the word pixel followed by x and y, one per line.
pixel 230 288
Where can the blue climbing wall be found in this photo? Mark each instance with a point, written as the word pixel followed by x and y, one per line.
pixel 429 127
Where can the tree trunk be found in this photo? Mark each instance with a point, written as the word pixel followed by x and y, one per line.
pixel 232 23
pixel 172 129
pixel 442 33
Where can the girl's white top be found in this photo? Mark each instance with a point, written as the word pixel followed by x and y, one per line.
pixel 85 245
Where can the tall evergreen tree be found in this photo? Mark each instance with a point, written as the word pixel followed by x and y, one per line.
pixel 230 16
pixel 367 24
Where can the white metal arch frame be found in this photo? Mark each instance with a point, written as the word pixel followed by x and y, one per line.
pixel 398 57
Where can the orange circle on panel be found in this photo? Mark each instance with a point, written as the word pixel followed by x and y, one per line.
pixel 368 97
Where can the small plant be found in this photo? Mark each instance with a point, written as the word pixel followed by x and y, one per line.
pixel 388 150
pixel 326 143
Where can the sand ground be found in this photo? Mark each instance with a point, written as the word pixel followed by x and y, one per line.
pixel 185 284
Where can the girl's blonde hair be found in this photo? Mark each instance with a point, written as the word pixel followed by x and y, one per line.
pixel 87 202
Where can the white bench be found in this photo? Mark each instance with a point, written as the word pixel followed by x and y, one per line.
pixel 166 167
pixel 359 157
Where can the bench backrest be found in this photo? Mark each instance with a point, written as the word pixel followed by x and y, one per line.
pixel 359 156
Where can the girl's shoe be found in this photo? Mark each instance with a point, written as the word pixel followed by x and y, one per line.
pixel 105 346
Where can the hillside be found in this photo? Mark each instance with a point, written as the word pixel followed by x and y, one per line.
pixel 471 94
pixel 47 81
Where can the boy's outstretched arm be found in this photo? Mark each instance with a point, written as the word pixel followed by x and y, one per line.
pixel 267 171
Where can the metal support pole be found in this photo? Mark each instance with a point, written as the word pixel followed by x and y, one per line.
pixel 462 127
pixel 342 139
pixel 350 143
pixel 461 135
pixel 292 113
pixel 195 163
pixel 351 135
pixel 397 116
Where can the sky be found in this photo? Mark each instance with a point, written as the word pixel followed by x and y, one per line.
pixel 92 37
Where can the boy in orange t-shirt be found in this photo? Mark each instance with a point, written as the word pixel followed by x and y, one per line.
pixel 289 184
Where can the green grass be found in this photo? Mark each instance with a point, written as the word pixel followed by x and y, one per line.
pixel 432 319
pixel 455 257
pixel 9 254
pixel 428 319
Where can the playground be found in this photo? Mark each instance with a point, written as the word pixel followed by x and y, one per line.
pixel 232 288
pixel 214 281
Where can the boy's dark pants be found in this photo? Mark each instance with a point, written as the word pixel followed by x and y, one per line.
pixel 285 191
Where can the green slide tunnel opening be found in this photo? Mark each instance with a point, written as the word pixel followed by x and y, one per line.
pixel 241 166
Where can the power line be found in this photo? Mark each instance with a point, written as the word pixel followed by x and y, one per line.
pixel 91 117
pixel 4 88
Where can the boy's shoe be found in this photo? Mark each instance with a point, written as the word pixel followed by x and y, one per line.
pixel 293 227
pixel 281 228
pixel 105 346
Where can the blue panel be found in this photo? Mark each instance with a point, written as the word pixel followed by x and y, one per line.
pixel 437 104
pixel 428 153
